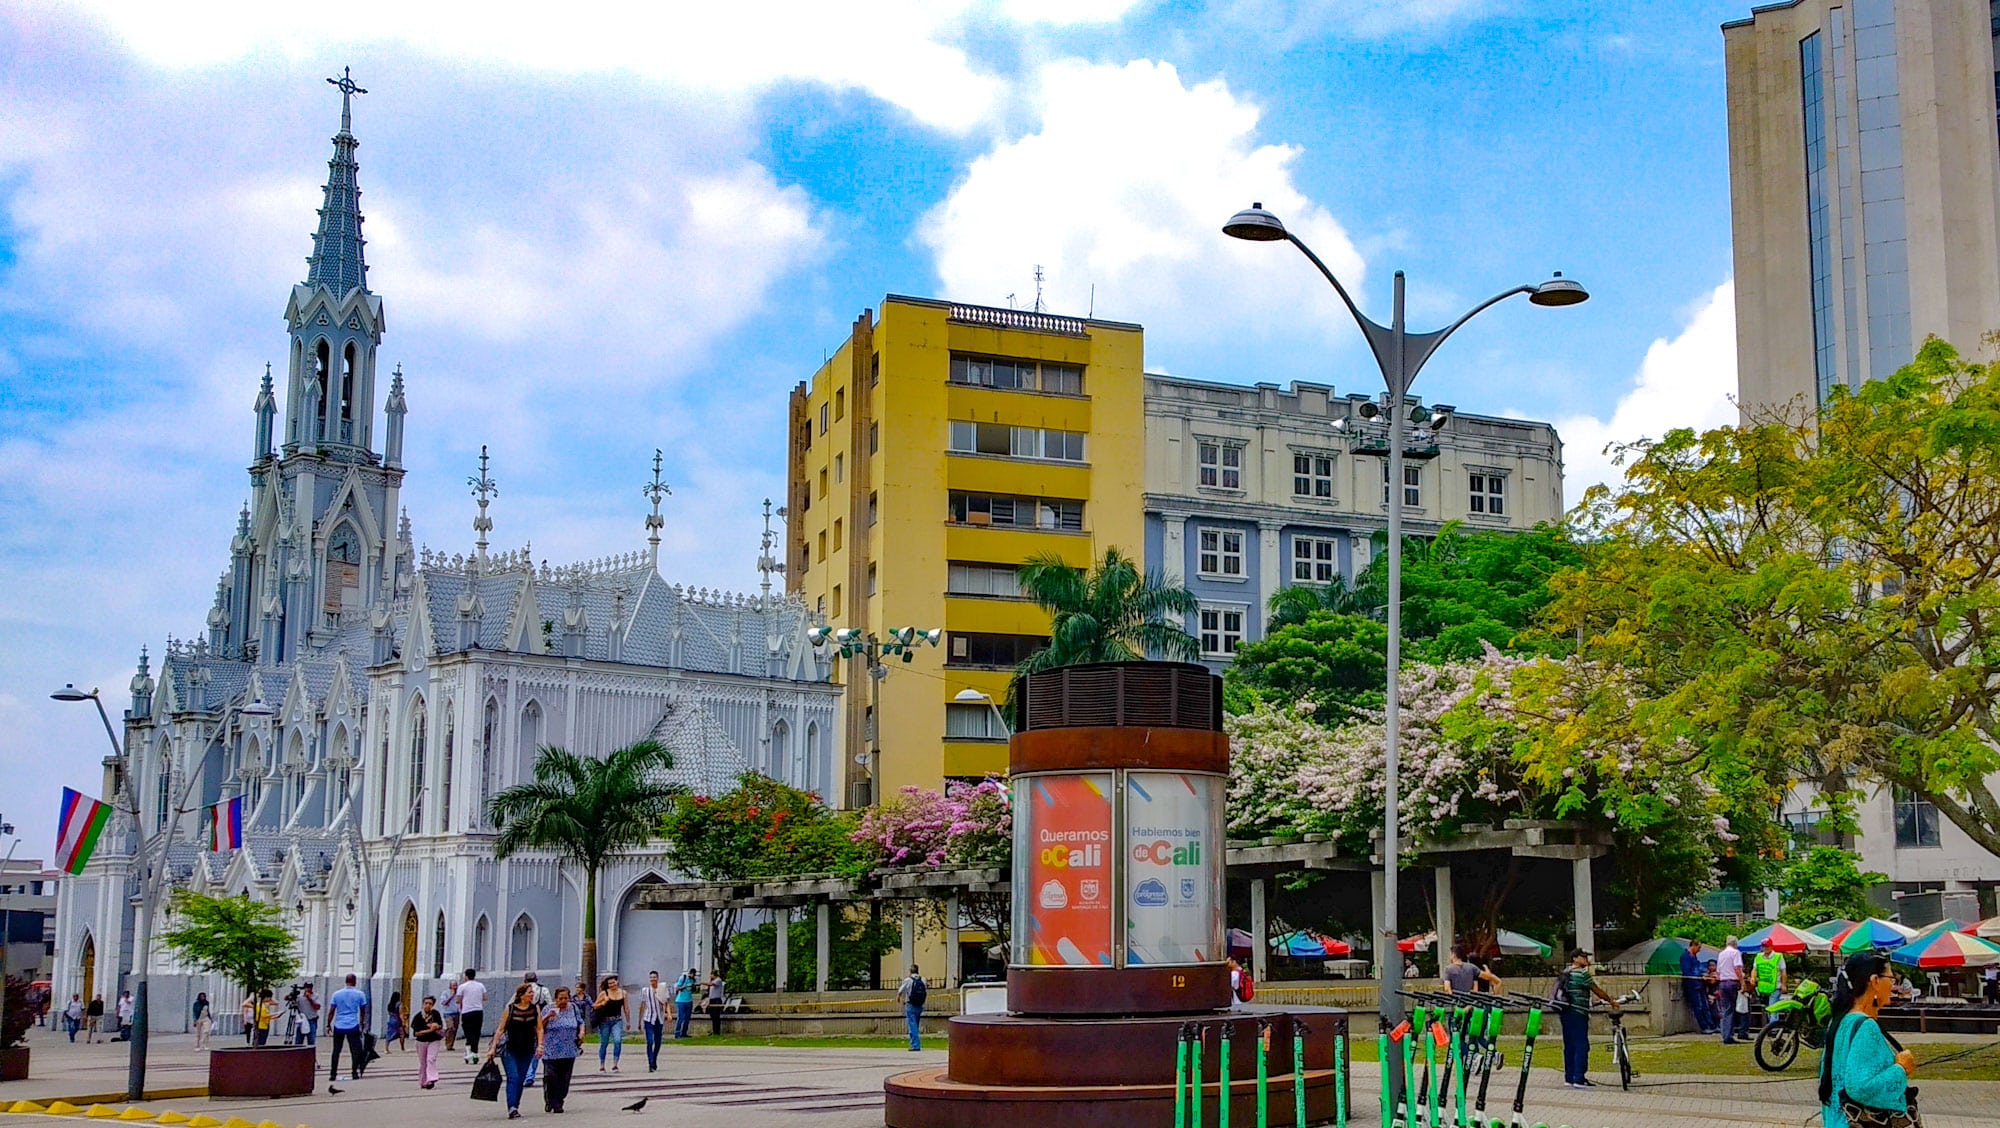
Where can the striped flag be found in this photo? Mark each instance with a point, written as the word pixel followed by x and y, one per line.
pixel 225 825
pixel 82 824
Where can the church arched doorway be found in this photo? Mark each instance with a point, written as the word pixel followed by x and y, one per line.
pixel 408 971
pixel 89 964
pixel 648 938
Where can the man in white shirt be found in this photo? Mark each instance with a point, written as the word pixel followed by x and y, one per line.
pixel 1729 968
pixel 471 1013
pixel 653 1017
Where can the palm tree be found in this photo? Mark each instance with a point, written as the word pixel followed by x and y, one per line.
pixel 586 809
pixel 1112 613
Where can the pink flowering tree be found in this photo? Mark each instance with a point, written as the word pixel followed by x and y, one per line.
pixel 965 826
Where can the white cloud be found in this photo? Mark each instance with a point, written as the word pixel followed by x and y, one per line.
pixel 1124 187
pixel 1292 20
pixel 1688 381
pixel 901 51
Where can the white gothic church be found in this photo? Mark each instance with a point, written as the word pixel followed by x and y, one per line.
pixel 364 699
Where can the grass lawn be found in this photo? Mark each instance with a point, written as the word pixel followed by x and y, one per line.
pixel 1970 1060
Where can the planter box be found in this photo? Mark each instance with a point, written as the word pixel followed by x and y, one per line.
pixel 14 1064
pixel 262 1071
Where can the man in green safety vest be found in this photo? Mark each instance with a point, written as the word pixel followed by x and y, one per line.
pixel 1769 971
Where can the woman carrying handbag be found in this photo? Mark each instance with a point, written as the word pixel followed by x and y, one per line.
pixel 1864 1077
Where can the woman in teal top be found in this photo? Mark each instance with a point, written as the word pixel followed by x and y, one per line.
pixel 1859 1062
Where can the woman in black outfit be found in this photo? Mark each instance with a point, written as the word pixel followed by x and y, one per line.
pixel 517 1043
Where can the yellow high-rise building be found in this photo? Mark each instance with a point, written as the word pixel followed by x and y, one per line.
pixel 939 447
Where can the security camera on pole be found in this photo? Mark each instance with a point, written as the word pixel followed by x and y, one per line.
pixel 851 642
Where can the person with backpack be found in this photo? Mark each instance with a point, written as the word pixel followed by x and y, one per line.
pixel 913 994
pixel 1241 988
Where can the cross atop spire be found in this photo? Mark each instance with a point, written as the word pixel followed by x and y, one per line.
pixel 484 488
pixel 348 89
pixel 336 261
pixel 655 491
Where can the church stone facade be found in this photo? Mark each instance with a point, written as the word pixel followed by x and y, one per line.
pixel 365 698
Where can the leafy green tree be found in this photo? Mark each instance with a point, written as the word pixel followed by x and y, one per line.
pixel 1112 613
pixel 1823 883
pixel 1337 661
pixel 584 810
pixel 855 949
pixel 234 937
pixel 1815 598
pixel 1299 602
pixel 760 828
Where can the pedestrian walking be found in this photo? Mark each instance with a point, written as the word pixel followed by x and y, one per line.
pixel 73 1016
pixel 448 1008
pixel 913 994
pixel 562 1044
pixel 471 1013
pixel 1990 977
pixel 717 997
pixel 653 1001
pixel 247 1012
pixel 427 1027
pixel 1461 975
pixel 394 1030
pixel 93 1019
pixel 202 1016
pixel 683 1003
pixel 516 1042
pixel 347 1018
pixel 125 1016
pixel 266 1010
pixel 579 1000
pixel 1575 986
pixel 611 1014
pixel 538 995
pixel 1729 987
pixel 1860 1066
pixel 309 1008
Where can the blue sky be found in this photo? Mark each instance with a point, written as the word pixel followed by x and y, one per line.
pixel 601 229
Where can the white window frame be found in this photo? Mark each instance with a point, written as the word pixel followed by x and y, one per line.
pixel 1319 486
pixel 1207 463
pixel 1320 564
pixel 1214 562
pixel 1220 628
pixel 1486 493
pixel 1413 485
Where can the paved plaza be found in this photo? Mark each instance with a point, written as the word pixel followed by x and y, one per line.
pixel 702 1086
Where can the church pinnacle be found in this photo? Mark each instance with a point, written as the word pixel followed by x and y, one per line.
pixel 336 261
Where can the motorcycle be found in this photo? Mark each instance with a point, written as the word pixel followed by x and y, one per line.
pixel 1791 1023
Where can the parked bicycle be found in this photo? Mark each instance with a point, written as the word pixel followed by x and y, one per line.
pixel 1621 1047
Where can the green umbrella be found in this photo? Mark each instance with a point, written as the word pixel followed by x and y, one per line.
pixel 1827 930
pixel 1658 956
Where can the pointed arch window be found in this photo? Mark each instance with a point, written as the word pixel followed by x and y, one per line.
pixel 781 756
pixel 444 772
pixel 382 783
pixel 482 944
pixel 802 772
pixel 347 394
pixel 437 949
pixel 419 734
pixel 323 372
pixel 521 944
pixel 343 572
pixel 166 796
pixel 489 722
pixel 531 739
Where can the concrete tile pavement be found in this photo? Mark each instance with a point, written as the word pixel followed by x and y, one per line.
pixel 753 1087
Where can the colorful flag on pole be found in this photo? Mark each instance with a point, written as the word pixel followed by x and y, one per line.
pixel 225 825
pixel 82 824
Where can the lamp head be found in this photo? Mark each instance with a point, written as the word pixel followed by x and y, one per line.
pixel 817 636
pixel 71 693
pixel 1560 291
pixel 1367 409
pixel 970 696
pixel 1255 224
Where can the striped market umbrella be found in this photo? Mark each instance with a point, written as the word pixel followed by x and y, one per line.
pixel 1307 945
pixel 1784 939
pixel 1988 929
pixel 1946 948
pixel 1871 934
pixel 1828 929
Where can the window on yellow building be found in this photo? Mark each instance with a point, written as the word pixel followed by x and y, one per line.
pixel 839 467
pixel 840 403
pixel 822 547
pixel 822 481
pixel 836 534
pixel 822 419
pixel 874 437
pixel 836 601
pixel 874 509
pixel 871 579
pixel 875 369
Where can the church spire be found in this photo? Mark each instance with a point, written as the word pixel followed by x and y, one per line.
pixel 656 491
pixel 336 261
pixel 483 488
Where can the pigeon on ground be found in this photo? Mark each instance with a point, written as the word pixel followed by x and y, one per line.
pixel 635 1106
pixel 334 1091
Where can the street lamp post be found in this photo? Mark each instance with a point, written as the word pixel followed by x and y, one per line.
pixel 970 696
pixel 152 869
pixel 1400 354
pixel 853 643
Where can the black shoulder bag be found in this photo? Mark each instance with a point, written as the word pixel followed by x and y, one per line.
pixel 1862 1116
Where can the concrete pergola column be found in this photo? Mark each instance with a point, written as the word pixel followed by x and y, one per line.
pixel 909 915
pixel 823 957
pixel 1586 911
pixel 1447 915
pixel 954 967
pixel 783 919
pixel 1260 929
pixel 706 944
pixel 1381 936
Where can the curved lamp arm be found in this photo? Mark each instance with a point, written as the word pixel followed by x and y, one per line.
pixel 1422 345
pixel 1378 335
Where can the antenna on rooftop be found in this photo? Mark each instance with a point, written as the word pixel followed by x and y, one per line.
pixel 1039 307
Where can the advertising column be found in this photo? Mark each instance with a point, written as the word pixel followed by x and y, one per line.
pixel 1173 868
